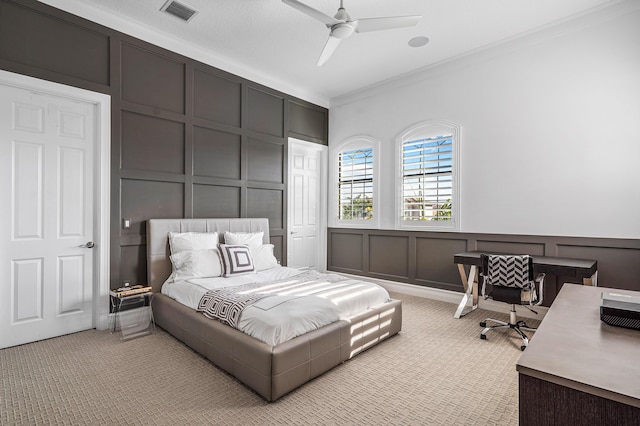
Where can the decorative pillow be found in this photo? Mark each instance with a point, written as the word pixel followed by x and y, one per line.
pixel 236 259
pixel 264 258
pixel 185 241
pixel 251 239
pixel 196 264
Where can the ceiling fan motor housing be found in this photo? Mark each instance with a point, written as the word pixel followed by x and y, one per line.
pixel 342 30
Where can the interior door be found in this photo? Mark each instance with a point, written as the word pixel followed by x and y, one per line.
pixel 306 247
pixel 46 234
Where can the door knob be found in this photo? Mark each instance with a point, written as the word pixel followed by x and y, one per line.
pixel 90 244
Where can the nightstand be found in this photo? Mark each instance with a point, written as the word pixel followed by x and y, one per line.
pixel 131 314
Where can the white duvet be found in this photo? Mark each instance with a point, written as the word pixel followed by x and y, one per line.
pixel 307 302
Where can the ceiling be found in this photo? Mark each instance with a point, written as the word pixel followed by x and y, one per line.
pixel 276 45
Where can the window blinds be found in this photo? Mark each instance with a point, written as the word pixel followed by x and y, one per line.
pixel 427 183
pixel 355 184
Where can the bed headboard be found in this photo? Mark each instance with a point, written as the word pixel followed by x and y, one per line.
pixel 158 263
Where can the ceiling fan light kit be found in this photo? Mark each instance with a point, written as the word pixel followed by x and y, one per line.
pixel 341 26
pixel 341 30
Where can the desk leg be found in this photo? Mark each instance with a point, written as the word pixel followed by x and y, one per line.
pixel 463 276
pixel 470 289
pixel 592 280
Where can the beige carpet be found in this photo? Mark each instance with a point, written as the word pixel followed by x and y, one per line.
pixel 436 371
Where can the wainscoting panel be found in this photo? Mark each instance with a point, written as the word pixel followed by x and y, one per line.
pixel 134 262
pixel 434 257
pixel 216 201
pixel 389 256
pixel 534 249
pixel 151 143
pixel 426 258
pixel 278 246
pixel 266 112
pixel 219 99
pixel 618 267
pixel 307 121
pixel 142 199
pixel 37 40
pixel 346 252
pixel 265 162
pixel 267 203
pixel 216 154
pixel 152 79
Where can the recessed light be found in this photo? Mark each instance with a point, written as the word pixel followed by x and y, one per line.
pixel 418 41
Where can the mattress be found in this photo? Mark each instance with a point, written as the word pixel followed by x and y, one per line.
pixel 297 302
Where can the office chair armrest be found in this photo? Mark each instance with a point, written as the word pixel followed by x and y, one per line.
pixel 483 293
pixel 540 280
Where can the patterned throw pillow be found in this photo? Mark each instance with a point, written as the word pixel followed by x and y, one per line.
pixel 236 259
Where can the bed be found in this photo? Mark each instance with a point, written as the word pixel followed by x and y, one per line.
pixel 270 370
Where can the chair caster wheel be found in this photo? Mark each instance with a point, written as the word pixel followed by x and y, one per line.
pixel 523 347
pixel 483 336
pixel 483 323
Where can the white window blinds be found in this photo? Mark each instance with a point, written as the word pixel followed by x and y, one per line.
pixel 427 179
pixel 355 184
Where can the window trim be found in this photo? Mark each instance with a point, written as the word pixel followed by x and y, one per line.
pixel 428 129
pixel 353 143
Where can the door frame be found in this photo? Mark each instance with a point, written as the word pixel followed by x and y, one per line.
pixel 322 205
pixel 102 173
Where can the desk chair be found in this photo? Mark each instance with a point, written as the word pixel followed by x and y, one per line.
pixel 510 279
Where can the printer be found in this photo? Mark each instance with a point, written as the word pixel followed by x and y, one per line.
pixel 620 310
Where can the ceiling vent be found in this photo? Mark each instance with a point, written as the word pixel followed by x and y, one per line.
pixel 179 10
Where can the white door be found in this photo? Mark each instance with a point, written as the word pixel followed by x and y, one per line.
pixel 306 243
pixel 46 185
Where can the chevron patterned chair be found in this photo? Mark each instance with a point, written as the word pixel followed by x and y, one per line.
pixel 509 279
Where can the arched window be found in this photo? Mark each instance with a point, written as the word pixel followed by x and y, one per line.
pixel 354 188
pixel 428 181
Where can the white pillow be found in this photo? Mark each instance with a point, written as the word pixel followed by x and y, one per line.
pixel 264 258
pixel 196 264
pixel 185 241
pixel 236 260
pixel 251 239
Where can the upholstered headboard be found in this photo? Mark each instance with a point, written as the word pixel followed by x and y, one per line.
pixel 158 263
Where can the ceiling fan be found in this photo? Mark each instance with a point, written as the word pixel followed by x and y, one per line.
pixel 342 26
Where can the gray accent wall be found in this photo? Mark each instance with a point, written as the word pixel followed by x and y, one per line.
pixel 188 140
pixel 426 258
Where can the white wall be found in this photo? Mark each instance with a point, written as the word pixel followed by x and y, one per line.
pixel 550 128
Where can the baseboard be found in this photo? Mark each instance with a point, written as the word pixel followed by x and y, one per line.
pixel 449 296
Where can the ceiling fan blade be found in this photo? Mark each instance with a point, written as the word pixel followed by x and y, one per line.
pixel 377 24
pixel 328 50
pixel 308 10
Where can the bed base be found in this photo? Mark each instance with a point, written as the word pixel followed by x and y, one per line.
pixel 275 371
pixel 271 371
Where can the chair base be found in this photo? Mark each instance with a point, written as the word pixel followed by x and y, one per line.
pixel 514 324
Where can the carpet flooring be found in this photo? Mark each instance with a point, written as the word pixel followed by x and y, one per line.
pixel 437 371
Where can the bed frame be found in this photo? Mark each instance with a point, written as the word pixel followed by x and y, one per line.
pixel 271 371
